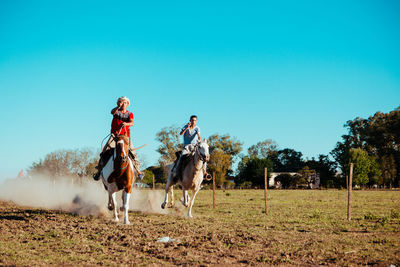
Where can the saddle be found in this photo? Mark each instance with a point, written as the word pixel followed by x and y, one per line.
pixel 185 159
pixel 106 155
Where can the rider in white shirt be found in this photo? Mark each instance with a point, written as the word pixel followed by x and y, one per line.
pixel 191 136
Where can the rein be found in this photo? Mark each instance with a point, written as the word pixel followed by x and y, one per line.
pixel 127 159
pixel 197 151
pixel 110 134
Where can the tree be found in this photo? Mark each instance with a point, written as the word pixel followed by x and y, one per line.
pixel 223 152
pixel 287 180
pixel 326 169
pixel 307 175
pixel 263 149
pixel 169 138
pixel 287 160
pixel 253 169
pixel 148 177
pixel 220 163
pixel 388 167
pixel 365 167
pixel 229 145
pixel 77 163
pixel 160 174
pixel 379 136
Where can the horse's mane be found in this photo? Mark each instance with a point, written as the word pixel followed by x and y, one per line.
pixel 123 137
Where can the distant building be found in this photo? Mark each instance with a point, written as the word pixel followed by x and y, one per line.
pixel 313 183
pixel 273 183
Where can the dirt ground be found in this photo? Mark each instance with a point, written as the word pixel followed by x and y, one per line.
pixel 236 233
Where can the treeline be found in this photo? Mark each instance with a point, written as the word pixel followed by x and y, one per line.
pixel 372 144
pixel 226 150
pixel 76 164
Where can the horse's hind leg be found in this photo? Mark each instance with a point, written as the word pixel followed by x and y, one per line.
pixel 110 205
pixel 172 201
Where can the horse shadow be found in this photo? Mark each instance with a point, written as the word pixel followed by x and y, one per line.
pixel 22 215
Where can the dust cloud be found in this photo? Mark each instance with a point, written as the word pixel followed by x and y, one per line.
pixel 88 197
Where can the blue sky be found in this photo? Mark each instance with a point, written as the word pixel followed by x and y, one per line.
pixel 291 71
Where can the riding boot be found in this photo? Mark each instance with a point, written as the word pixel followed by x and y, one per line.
pixel 176 167
pixel 179 168
pixel 176 162
pixel 99 168
pixel 96 176
pixel 135 162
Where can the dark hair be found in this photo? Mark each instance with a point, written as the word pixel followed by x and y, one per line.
pixel 193 116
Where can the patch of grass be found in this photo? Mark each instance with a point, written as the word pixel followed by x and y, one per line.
pixel 316 214
pixel 395 214
pixel 302 227
pixel 370 216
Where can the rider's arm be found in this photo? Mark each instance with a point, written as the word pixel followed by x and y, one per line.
pixel 114 110
pixel 129 123
pixel 184 129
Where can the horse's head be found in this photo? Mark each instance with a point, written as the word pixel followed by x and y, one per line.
pixel 203 150
pixel 122 147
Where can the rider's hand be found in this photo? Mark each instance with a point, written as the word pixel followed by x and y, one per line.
pixel 189 124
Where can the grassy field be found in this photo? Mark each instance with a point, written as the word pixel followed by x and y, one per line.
pixel 302 227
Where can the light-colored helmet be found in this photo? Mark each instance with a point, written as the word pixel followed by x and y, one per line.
pixel 124 98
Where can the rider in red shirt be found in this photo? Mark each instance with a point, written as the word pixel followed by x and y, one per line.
pixel 122 120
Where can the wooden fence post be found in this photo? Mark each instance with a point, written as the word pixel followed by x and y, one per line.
pixel 349 187
pixel 154 184
pixel 213 190
pixel 265 189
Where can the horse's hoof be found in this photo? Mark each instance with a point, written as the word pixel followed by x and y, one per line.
pixel 185 204
pixel 127 222
pixel 116 219
pixel 163 205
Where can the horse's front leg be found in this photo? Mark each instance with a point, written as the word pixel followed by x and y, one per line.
pixel 114 205
pixel 125 207
pixel 185 200
pixel 192 202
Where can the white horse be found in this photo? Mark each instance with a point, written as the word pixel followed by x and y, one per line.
pixel 119 174
pixel 192 176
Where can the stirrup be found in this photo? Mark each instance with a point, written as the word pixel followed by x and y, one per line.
pixel 207 176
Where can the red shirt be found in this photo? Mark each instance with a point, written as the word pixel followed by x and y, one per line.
pixel 117 121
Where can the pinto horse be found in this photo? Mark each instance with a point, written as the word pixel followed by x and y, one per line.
pixel 119 174
pixel 192 176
